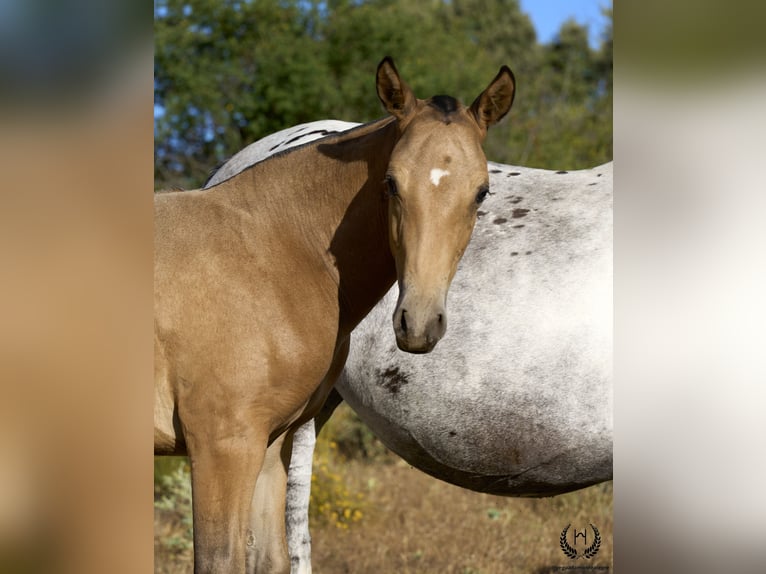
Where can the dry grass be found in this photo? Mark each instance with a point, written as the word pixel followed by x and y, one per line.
pixel 422 525
pixel 416 524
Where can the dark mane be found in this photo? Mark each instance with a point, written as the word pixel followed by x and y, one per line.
pixel 447 105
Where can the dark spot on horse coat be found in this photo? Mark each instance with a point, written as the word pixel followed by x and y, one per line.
pixel 393 379
pixel 514 253
pixel 518 226
pixel 519 212
pixel 301 136
pixel 495 171
pixel 481 213
pixel 499 220
pixel 514 173
pixel 515 199
pixel 321 132
pixel 599 175
pixel 562 171
pixel 594 183
pixel 452 433
pixel 527 253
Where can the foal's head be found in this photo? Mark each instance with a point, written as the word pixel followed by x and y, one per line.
pixel 436 180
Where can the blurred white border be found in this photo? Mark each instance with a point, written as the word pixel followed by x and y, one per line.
pixel 690 325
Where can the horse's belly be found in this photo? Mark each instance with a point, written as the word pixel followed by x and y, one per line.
pixel 168 438
pixel 166 444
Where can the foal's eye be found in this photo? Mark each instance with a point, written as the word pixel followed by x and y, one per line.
pixel 391 186
pixel 482 194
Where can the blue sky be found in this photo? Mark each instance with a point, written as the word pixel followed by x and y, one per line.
pixel 548 15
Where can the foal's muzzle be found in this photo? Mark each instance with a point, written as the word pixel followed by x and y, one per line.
pixel 419 328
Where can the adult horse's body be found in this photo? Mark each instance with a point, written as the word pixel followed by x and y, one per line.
pixel 517 398
pixel 259 281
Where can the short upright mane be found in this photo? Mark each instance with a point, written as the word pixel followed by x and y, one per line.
pixel 447 105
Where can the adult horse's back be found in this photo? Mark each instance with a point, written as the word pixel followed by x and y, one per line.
pixel 259 281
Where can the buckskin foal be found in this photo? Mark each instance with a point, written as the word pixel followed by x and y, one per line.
pixel 259 281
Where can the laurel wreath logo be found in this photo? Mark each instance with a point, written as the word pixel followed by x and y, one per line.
pixel 589 552
pixel 565 547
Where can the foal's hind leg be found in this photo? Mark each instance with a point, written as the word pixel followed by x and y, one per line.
pixel 266 543
pixel 224 472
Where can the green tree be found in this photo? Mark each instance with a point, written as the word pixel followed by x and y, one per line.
pixel 568 123
pixel 499 33
pixel 229 72
pixel 425 41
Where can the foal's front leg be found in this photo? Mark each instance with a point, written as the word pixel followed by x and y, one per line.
pixel 225 462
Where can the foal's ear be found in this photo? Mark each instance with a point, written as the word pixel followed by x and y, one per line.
pixel 396 96
pixel 494 102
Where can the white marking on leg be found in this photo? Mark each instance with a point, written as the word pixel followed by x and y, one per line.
pixel 437 174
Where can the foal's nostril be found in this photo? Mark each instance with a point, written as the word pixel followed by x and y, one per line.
pixel 403 321
pixel 441 318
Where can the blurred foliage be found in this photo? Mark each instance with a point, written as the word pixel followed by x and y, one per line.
pixel 173 497
pixel 163 466
pixel 332 500
pixel 344 439
pixel 352 438
pixel 228 72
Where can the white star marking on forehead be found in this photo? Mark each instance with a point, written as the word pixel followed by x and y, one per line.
pixel 437 174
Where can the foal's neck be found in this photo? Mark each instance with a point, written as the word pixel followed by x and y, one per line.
pixel 331 195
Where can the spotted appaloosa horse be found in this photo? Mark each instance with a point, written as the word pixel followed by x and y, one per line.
pixel 517 398
pixel 259 281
